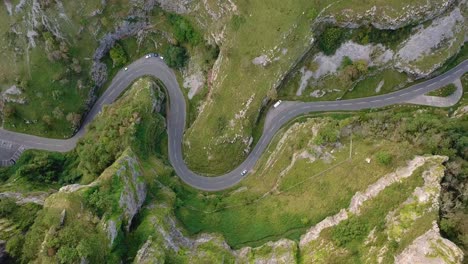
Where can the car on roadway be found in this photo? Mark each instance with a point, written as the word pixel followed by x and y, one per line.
pixel 126 68
pixel 244 172
pixel 152 55
pixel 277 103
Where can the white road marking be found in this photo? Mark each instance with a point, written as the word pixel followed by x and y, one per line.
pixel 418 89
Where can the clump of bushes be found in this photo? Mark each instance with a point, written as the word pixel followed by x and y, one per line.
pixel 176 56
pixel 118 55
pixel 348 231
pixel 384 158
pixel 183 30
pixel 330 40
pixel 44 167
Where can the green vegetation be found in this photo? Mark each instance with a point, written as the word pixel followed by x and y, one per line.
pixel 389 79
pixel 78 237
pixel 118 56
pixel 183 30
pixel 119 127
pixel 331 39
pixel 46 167
pixel 260 27
pixel 387 37
pixel 444 91
pixel 21 215
pixel 387 137
pixel 55 100
pixel 175 56
pixel 352 232
pixel 453 212
pixel 80 234
pixel 384 158
pixel 131 123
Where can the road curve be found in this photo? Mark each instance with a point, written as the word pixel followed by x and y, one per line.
pixel 176 118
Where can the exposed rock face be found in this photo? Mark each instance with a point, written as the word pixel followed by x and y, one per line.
pixel 262 60
pixel 385 16
pixel 134 188
pixel 359 198
pixel 167 238
pixel 111 229
pixel 176 6
pixel 20 198
pixel 13 95
pixel 441 39
pixel 282 251
pixel 75 187
pixel 431 248
pixel 374 189
pixel 157 98
pixel 150 254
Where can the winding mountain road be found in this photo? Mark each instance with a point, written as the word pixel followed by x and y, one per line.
pixel 176 119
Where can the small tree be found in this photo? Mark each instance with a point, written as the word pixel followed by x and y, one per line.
pixel 330 40
pixel 176 56
pixel 118 55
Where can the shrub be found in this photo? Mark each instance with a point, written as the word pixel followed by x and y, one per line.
pixel 48 167
pixel 346 62
pixel 183 30
pixel 349 231
pixel 175 56
pixel 384 158
pixel 118 55
pixel 330 40
pixel 328 134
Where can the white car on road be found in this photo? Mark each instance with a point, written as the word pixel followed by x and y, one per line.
pixel 277 103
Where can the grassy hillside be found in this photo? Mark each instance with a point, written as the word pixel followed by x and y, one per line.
pixel 259 46
pixel 54 69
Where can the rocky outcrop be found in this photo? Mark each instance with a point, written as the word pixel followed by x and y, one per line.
pixel 383 16
pixel 359 198
pixel 431 248
pixel 429 48
pixel 282 251
pixel 176 6
pixel 150 253
pixel 133 192
pixel 37 198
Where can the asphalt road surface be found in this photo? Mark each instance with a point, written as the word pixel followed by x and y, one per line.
pixel 176 118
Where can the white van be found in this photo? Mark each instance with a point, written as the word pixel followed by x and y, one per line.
pixel 277 104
